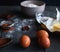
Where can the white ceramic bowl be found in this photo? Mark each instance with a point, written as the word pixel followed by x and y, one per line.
pixel 30 8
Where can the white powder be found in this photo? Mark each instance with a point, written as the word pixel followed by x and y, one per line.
pixel 32 5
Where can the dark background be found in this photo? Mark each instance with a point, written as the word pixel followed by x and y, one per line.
pixel 17 2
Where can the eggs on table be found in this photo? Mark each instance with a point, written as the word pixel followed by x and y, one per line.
pixel 25 41
pixel 42 38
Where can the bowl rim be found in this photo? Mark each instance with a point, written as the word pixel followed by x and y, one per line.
pixel 23 2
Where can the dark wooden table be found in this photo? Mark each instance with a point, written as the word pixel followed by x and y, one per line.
pixel 14 47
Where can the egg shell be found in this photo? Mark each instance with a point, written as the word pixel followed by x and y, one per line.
pixel 42 33
pixel 44 42
pixel 25 41
pixel 4 41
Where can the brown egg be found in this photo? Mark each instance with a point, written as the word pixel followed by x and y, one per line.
pixel 42 33
pixel 44 42
pixel 25 41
